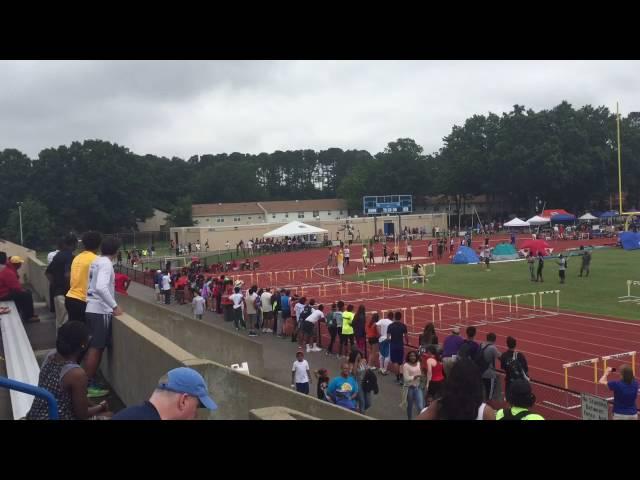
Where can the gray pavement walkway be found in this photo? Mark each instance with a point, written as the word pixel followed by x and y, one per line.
pixel 279 355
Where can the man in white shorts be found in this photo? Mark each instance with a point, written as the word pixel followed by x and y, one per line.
pixel 309 326
pixel 385 351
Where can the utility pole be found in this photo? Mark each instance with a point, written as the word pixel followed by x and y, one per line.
pixel 20 216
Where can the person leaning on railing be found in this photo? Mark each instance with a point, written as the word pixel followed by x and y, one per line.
pixel 625 393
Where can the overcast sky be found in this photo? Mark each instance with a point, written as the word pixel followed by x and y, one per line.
pixel 184 108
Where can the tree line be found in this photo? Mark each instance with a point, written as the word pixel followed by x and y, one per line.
pixel 563 156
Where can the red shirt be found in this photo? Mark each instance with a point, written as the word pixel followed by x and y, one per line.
pixel 437 372
pixel 372 331
pixel 120 280
pixel 225 295
pixel 9 282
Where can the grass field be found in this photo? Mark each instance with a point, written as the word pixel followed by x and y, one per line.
pixel 598 294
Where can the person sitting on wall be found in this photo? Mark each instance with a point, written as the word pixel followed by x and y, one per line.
pixel 10 289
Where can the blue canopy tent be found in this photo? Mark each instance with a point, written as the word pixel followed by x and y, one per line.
pixel 609 214
pixel 465 255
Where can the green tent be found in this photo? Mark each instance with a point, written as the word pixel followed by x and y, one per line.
pixel 504 251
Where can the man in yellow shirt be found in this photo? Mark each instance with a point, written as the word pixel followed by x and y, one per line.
pixel 347 327
pixel 76 298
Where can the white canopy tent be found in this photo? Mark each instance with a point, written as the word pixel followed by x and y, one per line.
pixel 537 220
pixel 516 222
pixel 587 216
pixel 293 229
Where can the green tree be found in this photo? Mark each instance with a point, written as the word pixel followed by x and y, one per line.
pixel 181 214
pixel 37 227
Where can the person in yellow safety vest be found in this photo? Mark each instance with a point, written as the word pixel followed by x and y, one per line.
pixel 521 399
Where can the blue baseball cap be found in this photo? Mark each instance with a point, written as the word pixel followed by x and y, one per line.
pixel 187 380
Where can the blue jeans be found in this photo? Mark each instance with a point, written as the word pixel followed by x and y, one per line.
pixel 415 395
pixel 364 399
pixel 303 388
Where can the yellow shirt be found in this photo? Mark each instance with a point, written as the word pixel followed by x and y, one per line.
pixel 347 323
pixel 340 257
pixel 79 280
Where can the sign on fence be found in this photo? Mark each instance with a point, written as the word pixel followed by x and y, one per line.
pixel 594 408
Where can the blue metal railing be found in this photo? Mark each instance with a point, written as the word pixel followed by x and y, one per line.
pixel 35 391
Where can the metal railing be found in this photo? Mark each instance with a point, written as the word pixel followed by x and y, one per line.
pixel 35 391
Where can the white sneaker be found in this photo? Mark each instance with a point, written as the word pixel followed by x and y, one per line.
pixel 316 349
pixel 308 349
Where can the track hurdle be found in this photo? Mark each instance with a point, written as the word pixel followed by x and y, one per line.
pixel 497 303
pixel 620 355
pixel 469 304
pixel 549 292
pixel 628 297
pixel 581 363
pixel 406 280
pixel 260 275
pixel 516 299
pixel 282 274
pixel 413 313
pixel 379 282
pixel 457 319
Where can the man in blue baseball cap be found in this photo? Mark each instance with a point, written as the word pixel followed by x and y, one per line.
pixel 178 396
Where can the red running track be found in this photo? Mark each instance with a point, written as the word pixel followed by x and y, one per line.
pixel 548 342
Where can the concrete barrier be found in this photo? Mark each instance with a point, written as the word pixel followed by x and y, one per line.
pixel 197 336
pixel 278 413
pixel 140 356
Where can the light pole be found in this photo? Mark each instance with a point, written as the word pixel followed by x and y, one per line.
pixel 20 216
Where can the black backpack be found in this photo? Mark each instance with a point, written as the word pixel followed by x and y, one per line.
pixel 509 416
pixel 370 382
pixel 306 312
pixel 480 361
pixel 514 369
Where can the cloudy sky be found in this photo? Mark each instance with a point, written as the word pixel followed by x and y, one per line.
pixel 184 108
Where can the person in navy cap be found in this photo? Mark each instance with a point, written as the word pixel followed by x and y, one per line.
pixel 178 396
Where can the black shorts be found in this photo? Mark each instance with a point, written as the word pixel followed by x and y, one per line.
pixel 373 340
pixel 75 309
pixel 435 388
pixel 308 328
pixel 347 338
pixel 486 260
pixel 99 329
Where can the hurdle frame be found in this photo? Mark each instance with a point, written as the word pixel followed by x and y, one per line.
pixel 500 297
pixel 459 304
pixel 580 363
pixel 631 354
pixel 413 313
pixel 628 297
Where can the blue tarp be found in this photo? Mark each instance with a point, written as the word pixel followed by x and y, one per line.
pixel 629 240
pixel 465 255
pixel 609 214
pixel 563 218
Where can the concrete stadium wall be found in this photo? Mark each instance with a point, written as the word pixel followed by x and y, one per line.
pixel 365 227
pixel 200 338
pixel 140 356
